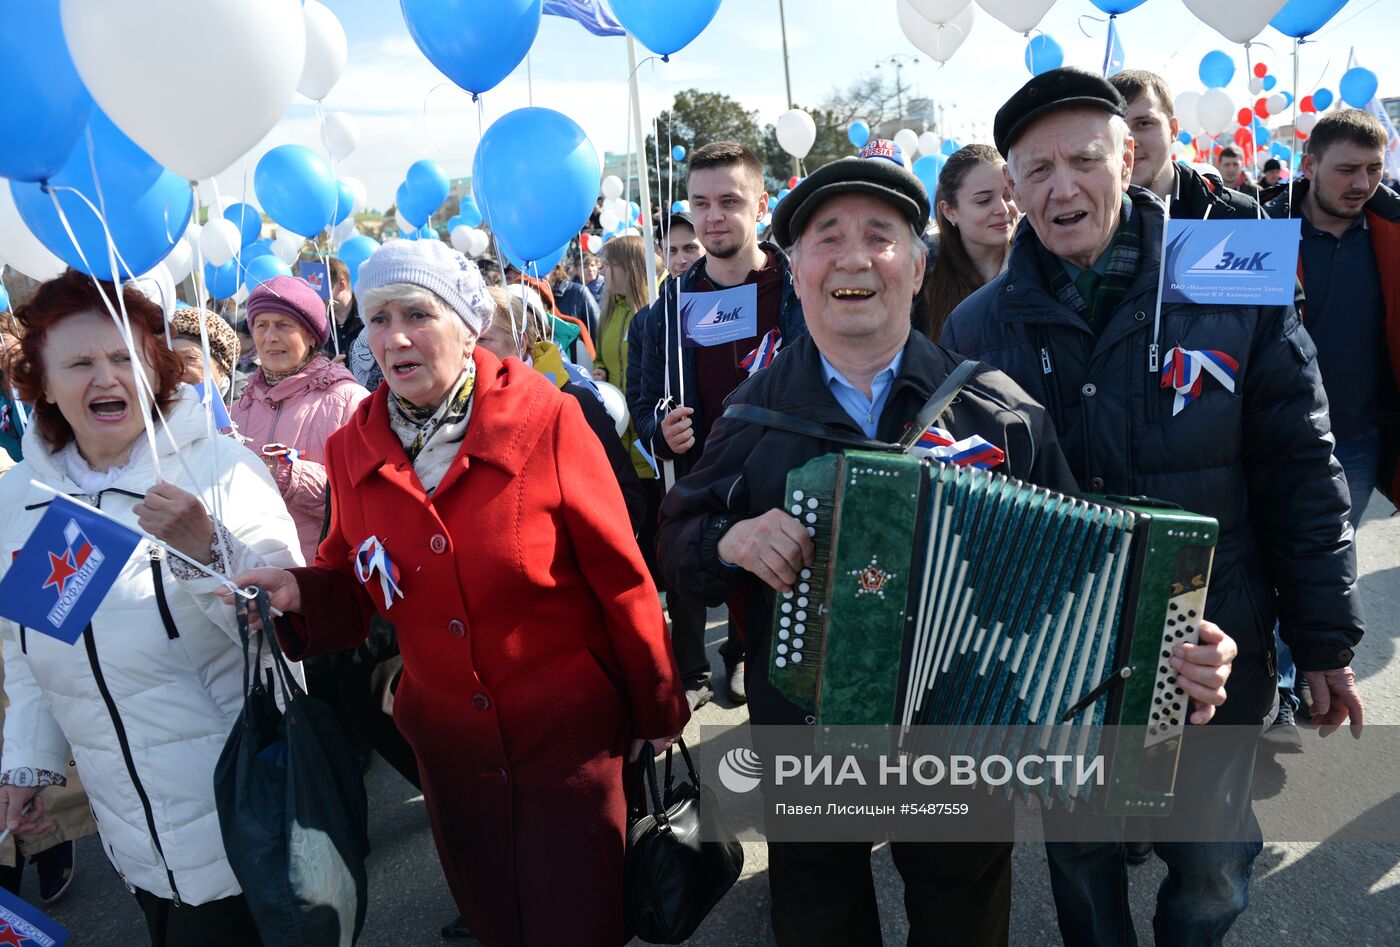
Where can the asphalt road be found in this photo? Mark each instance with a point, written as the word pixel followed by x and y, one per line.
pixel 1329 893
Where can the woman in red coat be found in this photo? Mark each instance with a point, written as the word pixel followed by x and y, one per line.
pixel 473 507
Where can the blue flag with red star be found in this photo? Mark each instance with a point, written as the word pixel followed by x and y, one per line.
pixel 23 925
pixel 64 570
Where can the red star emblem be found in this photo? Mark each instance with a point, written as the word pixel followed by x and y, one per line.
pixel 8 935
pixel 61 569
pixel 872 578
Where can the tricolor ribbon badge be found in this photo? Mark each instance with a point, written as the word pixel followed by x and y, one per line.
pixel 283 453
pixel 1184 372
pixel 974 451
pixel 371 558
pixel 763 356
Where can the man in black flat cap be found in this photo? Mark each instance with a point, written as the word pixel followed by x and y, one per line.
pixel 1073 319
pixel 853 231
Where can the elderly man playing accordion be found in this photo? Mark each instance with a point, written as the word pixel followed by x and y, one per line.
pixel 854 232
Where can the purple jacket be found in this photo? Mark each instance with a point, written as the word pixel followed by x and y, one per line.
pixel 300 412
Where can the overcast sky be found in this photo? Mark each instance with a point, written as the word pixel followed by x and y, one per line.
pixel 407 110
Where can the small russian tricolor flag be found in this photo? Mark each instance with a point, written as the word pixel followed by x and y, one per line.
pixel 763 355
pixel 974 451
pixel 1184 372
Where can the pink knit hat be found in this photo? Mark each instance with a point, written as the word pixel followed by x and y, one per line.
pixel 294 298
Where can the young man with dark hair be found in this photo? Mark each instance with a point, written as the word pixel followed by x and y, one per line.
pixel 681 246
pixel 1153 125
pixel 347 325
pixel 1231 165
pixel 727 201
pixel 1350 268
pixel 1269 175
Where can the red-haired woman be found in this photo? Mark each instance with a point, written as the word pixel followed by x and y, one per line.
pixel 145 699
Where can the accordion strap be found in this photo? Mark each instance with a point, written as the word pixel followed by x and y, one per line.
pixel 936 405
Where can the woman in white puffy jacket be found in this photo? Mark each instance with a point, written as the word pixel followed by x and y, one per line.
pixel 145 699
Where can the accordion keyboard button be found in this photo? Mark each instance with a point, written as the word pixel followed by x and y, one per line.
pixel 812 503
pixel 780 662
pixel 782 634
pixel 804 588
pixel 797 643
pixel 782 649
pixel 797 657
pixel 805 574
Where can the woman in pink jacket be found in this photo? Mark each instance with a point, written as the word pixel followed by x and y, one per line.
pixel 295 399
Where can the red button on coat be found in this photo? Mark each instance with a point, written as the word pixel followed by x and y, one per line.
pixel 481 702
pixel 456 628
pixel 438 543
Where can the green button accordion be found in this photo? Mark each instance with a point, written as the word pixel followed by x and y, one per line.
pixel 950 596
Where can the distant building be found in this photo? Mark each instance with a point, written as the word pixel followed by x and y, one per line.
pixel 1392 108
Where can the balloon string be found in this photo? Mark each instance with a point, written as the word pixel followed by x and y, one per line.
pixel 426 133
pixel 325 262
pixel 1094 19
pixel 1296 44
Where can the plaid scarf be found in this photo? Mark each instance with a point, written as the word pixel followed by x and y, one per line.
pixel 1124 261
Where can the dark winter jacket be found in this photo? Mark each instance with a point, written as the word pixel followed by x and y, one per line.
pixel 664 349
pixel 1383 220
pixel 743 474
pixel 1194 194
pixel 1259 459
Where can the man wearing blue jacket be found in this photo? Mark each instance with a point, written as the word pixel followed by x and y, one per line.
pixel 1072 320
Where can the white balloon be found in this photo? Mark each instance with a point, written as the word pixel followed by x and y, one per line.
pixel 158 285
pixel 1239 21
pixel 250 55
pixel 343 231
pixel 1256 85
pixel 219 241
pixel 462 238
pixel 358 192
pixel 480 241
pixel 326 51
pixel 797 132
pixel 1305 122
pixel 615 403
pixel 612 187
pixel 937 40
pixel 929 143
pixel 618 207
pixel 608 220
pixel 19 247
pixel 1216 111
pixel 180 261
pixel 1021 15
pixel 938 11
pixel 288 246
pixel 1277 103
pixel 341 134
pixel 908 141
pixel 1186 114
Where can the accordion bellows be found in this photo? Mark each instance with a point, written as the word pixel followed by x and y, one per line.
pixel 950 596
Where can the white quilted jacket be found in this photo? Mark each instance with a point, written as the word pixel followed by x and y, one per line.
pixel 145 705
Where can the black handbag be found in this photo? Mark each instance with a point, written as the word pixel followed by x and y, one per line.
pixel 292 807
pixel 673 879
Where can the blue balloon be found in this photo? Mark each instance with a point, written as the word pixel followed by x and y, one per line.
pixel 247 219
pixel 263 268
pixel 355 251
pixel 4 299
pixel 468 211
pixel 44 106
pixel 666 27
pixel 147 208
pixel 297 188
pixel 1261 134
pixel 678 153
pixel 254 250
pixel 221 281
pixel 1269 82
pixel 784 192
pixel 949 147
pixel 427 232
pixel 1358 87
pixel 858 133
pixel 1115 7
pixel 428 184
pixel 536 175
pixel 1287 98
pixel 1300 18
pixel 474 44
pixel 540 267
pixel 407 207
pixel 927 169
pixel 344 202
pixel 1322 98
pixel 677 207
pixel 1217 69
pixel 1043 54
pixel 1184 138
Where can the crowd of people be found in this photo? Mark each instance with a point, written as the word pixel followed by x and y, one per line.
pixel 470 566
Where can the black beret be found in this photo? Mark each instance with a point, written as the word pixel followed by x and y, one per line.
pixel 879 172
pixel 1273 165
pixel 1053 89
